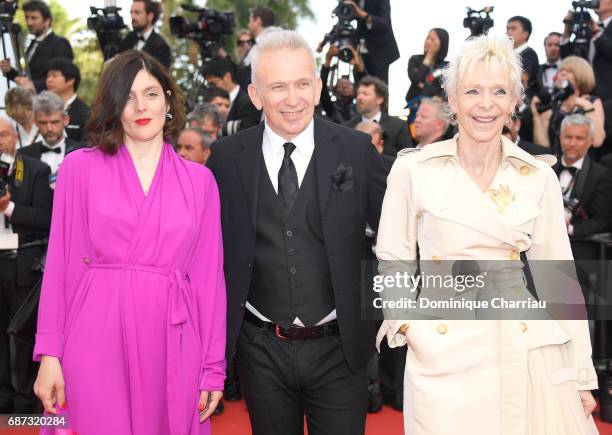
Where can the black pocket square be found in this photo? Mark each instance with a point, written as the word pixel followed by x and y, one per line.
pixel 342 179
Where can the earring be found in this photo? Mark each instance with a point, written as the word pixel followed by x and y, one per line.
pixel 453 117
pixel 168 115
pixel 514 116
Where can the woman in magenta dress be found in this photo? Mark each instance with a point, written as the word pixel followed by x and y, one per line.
pixel 131 324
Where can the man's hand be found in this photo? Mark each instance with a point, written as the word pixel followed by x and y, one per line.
pixel 361 14
pixel 4 201
pixel 332 51
pixel 25 82
pixel 5 65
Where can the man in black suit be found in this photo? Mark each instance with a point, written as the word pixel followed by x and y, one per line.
pixel 45 46
pixel 550 69
pixel 519 29
pixel 511 131
pixel 374 26
pixel 51 119
pixel 63 78
pixel 372 99
pixel 25 219
pixel 144 14
pixel 586 185
pixel 296 193
pixel 242 113
pixel 600 48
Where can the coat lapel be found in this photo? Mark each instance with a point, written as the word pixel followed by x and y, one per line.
pixel 249 169
pixel 326 153
pixel 581 178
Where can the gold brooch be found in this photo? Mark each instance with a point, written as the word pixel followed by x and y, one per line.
pixel 502 197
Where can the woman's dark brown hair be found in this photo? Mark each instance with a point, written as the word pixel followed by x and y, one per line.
pixel 104 127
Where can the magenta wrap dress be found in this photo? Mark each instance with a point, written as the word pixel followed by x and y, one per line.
pixel 133 299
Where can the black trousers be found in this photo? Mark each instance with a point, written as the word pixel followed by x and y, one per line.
pixel 375 68
pixel 17 370
pixel 284 380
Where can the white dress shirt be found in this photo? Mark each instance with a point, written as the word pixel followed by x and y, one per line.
pixel 35 43
pixel 567 180
pixel 375 118
pixel 8 239
pixel 273 153
pixel 54 159
pixel 26 138
pixel 140 44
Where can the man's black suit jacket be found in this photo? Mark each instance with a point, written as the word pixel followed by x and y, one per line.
pixel 593 189
pixel 53 46
pixel 34 149
pixel 602 63
pixel 79 114
pixel 155 45
pixel 533 149
pixel 380 40
pixel 242 115
pixel 31 217
pixel 396 134
pixel 530 61
pixel 236 161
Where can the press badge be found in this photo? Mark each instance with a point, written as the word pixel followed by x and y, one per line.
pixel 52 180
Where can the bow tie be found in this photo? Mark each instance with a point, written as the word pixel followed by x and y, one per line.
pixel 46 149
pixel 141 38
pixel 550 66
pixel 571 169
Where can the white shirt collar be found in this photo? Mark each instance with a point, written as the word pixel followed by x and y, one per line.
pixel 61 143
pixel 42 37
pixel 577 164
pixel 304 142
pixel 606 21
pixel 234 93
pixel 521 48
pixel 69 101
pixel 146 34
pixel 375 118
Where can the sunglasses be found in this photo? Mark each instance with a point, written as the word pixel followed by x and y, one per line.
pixel 242 42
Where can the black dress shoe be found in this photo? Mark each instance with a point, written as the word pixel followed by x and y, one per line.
pixel 395 401
pixel 220 408
pixel 375 399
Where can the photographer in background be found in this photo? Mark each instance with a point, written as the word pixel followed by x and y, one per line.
pixel 45 46
pixel 519 29
pixel 573 85
pixel 599 50
pixel 145 14
pixel 25 210
pixel 374 27
pixel 343 108
pixel 586 185
pixel 549 70
pixel 372 99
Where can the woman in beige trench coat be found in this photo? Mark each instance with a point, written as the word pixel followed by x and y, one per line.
pixel 478 196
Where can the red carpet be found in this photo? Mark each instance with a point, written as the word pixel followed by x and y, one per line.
pixel 235 421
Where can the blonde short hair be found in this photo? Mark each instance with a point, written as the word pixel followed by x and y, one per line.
pixel 585 77
pixel 493 51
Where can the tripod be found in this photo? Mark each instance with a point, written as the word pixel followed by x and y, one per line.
pixel 12 29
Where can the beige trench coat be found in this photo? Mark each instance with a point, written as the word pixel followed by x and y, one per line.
pixel 470 376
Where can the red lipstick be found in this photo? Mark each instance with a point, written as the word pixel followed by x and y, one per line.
pixel 143 121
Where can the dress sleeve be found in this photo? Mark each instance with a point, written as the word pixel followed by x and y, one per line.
pixel 208 283
pixel 550 242
pixel 396 245
pixel 53 297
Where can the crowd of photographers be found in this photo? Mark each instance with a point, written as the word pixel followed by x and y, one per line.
pixel 566 111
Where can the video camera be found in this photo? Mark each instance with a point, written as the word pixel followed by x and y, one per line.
pixel 344 32
pixel 6 161
pixel 7 10
pixel 479 22
pixel 211 26
pixel 107 23
pixel 581 26
pixel 550 101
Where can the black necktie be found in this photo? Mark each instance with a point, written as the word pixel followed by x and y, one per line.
pixel 287 178
pixel 571 169
pixel 46 149
pixel 31 49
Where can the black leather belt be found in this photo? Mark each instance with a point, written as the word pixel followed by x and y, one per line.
pixel 294 332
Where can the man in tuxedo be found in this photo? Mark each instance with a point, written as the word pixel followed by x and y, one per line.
pixel 45 46
pixel 51 119
pixel 63 78
pixel 519 29
pixel 511 131
pixel 144 14
pixel 600 48
pixel 296 193
pixel 242 113
pixel 374 27
pixel 586 185
pixel 25 219
pixel 372 99
pixel 550 69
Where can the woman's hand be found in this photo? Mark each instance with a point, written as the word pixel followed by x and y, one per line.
pixel 584 104
pixel 588 402
pixel 49 385
pixel 208 403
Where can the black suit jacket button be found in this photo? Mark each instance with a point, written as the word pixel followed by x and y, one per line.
pixel 250 266
pixel 289 233
pixel 292 270
pixel 291 252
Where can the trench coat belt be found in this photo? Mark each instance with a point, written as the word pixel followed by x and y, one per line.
pixel 178 404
